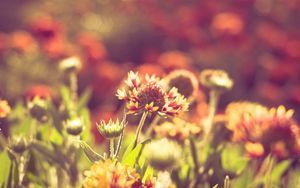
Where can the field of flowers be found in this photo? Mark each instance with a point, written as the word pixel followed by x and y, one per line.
pixel 150 94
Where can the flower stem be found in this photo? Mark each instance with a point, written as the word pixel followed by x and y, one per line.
pixel 153 123
pixel 111 148
pixel 196 163
pixel 139 128
pixel 268 181
pixel 213 104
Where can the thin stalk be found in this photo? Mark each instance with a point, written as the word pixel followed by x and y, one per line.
pixel 196 163
pixel 111 148
pixel 150 128
pixel 139 128
pixel 122 134
pixel 268 181
pixel 73 87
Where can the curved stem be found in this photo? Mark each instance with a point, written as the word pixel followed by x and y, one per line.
pixel 139 128
pixel 111 148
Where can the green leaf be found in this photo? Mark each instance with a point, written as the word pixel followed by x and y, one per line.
pixel 293 179
pixel 245 179
pixel 233 159
pixel 86 133
pixel 5 169
pixel 148 173
pixel 90 153
pixel 65 94
pixel 278 171
pixel 130 156
pixel 84 99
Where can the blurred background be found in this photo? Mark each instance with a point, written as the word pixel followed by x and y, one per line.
pixel 256 41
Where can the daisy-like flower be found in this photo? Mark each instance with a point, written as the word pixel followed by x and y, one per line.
pixel 264 130
pixel 4 108
pixel 148 94
pixel 110 174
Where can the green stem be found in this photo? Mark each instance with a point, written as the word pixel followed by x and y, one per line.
pixel 268 181
pixel 213 104
pixel 151 126
pixel 73 87
pixel 196 163
pixel 139 128
pixel 111 148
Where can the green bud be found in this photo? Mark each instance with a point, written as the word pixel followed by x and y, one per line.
pixel 18 144
pixel 69 65
pixel 216 79
pixel 38 109
pixel 163 154
pixel 111 129
pixel 74 126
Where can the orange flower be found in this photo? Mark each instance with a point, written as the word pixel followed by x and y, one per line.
pixel 23 41
pixel 174 60
pixel 41 91
pixel 275 129
pixel 147 94
pixel 228 22
pixel 4 108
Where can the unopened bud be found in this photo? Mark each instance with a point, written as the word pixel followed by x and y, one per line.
pixel 74 126
pixel 69 65
pixel 111 129
pixel 163 154
pixel 38 109
pixel 18 144
pixel 216 79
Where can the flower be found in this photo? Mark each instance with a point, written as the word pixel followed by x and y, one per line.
pixel 111 174
pixel 274 129
pixel 177 129
pixel 185 81
pixel 4 108
pixel 111 129
pixel 216 79
pixel 149 95
pixel 163 154
pixel 41 91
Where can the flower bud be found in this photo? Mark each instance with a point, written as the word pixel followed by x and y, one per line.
pixel 163 154
pixel 38 109
pixel 111 129
pixel 69 65
pixel 18 144
pixel 74 126
pixel 216 79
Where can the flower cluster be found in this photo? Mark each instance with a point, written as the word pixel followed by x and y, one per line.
pixel 149 95
pixel 177 129
pixel 264 130
pixel 111 174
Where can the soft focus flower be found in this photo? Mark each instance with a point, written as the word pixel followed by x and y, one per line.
pixel 174 60
pixel 228 23
pixel 110 174
pixel 254 150
pixel 4 108
pixel 216 79
pixel 41 91
pixel 148 95
pixel 45 27
pixel 23 42
pixel 177 129
pixel 111 129
pixel 163 154
pixel 185 81
pixel 275 129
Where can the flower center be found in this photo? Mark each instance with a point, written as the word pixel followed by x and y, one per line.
pixel 151 93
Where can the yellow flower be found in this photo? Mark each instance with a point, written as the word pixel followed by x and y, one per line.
pixel 111 174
